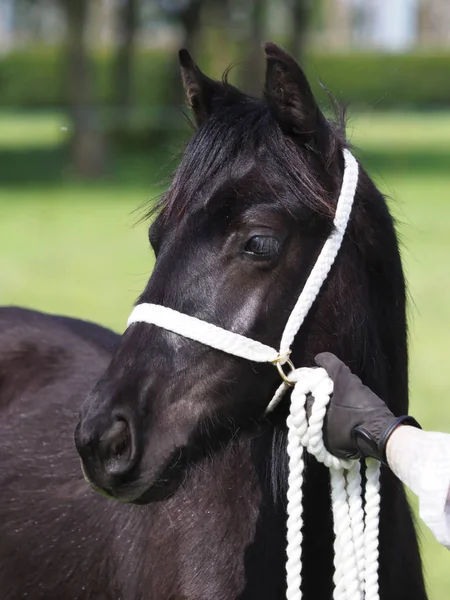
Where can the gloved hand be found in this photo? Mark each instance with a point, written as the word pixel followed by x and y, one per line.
pixel 358 423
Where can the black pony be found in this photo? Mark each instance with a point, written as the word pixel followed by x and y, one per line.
pixel 176 430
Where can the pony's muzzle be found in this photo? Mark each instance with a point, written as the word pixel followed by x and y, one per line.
pixel 108 450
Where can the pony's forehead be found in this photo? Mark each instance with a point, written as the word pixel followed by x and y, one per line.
pixel 242 151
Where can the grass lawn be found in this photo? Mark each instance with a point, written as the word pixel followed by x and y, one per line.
pixel 72 248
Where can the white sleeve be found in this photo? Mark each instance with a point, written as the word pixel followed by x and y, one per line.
pixel 421 460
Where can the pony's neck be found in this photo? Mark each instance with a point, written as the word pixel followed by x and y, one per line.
pixel 230 521
pixel 266 557
pixel 253 468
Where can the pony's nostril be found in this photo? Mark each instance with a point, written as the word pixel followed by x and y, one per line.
pixel 119 439
pixel 116 447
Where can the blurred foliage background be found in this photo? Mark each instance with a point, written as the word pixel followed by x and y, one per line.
pixel 91 123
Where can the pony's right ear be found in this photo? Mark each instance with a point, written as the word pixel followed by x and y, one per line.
pixel 201 91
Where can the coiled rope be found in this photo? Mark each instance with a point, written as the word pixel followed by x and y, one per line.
pixel 355 528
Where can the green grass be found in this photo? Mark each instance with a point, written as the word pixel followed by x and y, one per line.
pixel 400 131
pixel 72 248
pixel 73 251
pixel 32 130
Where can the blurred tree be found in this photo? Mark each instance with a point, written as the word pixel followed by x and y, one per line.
pixel 299 12
pixel 253 30
pixel 187 14
pixel 87 147
pixel 259 19
pixel 258 27
pixel 87 144
pixel 127 25
pixel 190 19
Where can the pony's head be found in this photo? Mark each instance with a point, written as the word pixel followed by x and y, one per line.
pixel 236 236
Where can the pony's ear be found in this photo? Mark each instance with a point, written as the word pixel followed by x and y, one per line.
pixel 289 96
pixel 201 91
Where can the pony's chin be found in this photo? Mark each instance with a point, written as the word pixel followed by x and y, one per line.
pixel 153 493
pixel 161 489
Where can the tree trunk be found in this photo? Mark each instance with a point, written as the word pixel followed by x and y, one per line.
pixel 190 21
pixel 251 70
pixel 258 31
pixel 299 18
pixel 126 29
pixel 87 146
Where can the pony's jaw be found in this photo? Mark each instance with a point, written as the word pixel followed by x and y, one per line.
pixel 178 418
pixel 136 493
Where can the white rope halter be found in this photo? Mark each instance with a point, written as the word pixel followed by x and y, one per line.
pixel 355 527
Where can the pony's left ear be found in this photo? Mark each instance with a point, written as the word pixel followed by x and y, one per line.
pixel 202 93
pixel 289 96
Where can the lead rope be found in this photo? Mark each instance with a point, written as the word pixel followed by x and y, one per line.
pixel 355 527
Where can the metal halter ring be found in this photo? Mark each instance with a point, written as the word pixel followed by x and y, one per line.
pixel 279 366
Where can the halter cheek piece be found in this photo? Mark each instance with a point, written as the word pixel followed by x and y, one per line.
pixel 355 528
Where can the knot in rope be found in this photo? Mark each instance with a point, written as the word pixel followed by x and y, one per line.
pixel 355 527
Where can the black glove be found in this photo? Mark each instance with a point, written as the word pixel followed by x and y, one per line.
pixel 358 423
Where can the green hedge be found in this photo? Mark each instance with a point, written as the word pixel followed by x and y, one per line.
pixel 35 79
pixel 385 80
pixel 31 79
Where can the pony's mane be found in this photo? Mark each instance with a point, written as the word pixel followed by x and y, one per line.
pixel 242 145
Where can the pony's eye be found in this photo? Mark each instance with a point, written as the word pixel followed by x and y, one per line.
pixel 263 246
